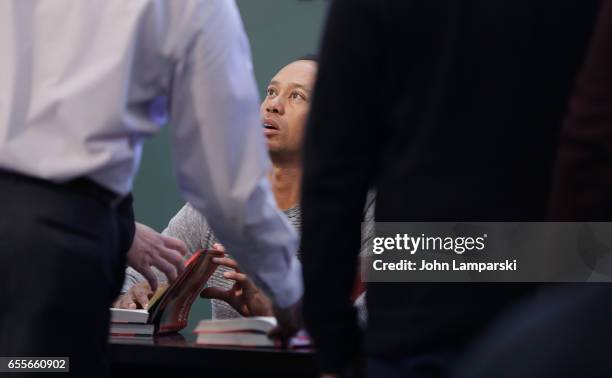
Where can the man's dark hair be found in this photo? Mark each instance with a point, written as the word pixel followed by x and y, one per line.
pixel 311 57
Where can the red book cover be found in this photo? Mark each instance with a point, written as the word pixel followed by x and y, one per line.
pixel 171 311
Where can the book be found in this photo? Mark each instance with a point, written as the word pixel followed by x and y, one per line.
pixel 244 332
pixel 240 339
pixel 120 315
pixel 123 339
pixel 261 324
pixel 130 329
pixel 169 307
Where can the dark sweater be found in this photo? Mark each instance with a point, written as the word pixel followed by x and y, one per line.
pixel 452 110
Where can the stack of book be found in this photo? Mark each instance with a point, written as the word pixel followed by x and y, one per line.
pixel 130 323
pixel 244 332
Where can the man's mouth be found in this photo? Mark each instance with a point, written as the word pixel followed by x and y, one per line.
pixel 270 125
pixel 270 128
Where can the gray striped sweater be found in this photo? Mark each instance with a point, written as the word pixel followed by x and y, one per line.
pixel 192 228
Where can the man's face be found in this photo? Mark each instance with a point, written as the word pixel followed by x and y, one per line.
pixel 285 108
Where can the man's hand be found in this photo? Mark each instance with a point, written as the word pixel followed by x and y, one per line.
pixel 245 297
pixel 137 297
pixel 289 321
pixel 150 248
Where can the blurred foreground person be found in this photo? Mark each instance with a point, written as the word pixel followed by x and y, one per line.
pixel 77 80
pixel 566 332
pixel 456 112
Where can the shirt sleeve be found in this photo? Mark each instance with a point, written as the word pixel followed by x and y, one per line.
pixel 368 225
pixel 367 234
pixel 220 154
pixel 132 277
pixel 188 226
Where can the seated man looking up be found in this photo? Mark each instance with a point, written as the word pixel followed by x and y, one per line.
pixel 284 112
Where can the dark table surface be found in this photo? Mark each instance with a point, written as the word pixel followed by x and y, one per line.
pixel 177 355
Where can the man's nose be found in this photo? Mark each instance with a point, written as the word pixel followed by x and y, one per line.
pixel 275 106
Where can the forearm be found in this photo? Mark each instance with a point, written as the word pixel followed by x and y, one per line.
pixel 264 245
pixel 220 154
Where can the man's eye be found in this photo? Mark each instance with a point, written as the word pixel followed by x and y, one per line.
pixel 270 92
pixel 296 96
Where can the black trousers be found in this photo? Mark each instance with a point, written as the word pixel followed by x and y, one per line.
pixel 62 259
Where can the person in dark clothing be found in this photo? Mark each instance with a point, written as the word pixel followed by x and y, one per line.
pixel 455 112
pixel 582 189
pixel 566 331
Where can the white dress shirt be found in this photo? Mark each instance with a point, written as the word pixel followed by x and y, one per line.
pixel 77 80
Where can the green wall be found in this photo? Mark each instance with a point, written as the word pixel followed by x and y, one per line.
pixel 279 31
